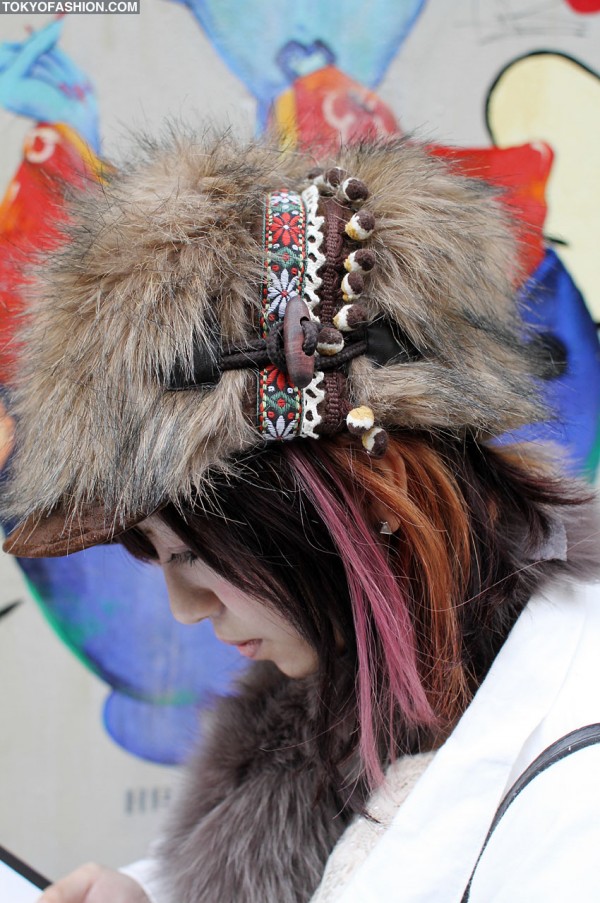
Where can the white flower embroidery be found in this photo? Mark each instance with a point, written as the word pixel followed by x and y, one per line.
pixel 282 199
pixel 281 428
pixel 281 289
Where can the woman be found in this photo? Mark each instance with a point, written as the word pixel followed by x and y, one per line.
pixel 286 391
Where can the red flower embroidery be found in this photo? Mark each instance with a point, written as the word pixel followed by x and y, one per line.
pixel 285 228
pixel 276 379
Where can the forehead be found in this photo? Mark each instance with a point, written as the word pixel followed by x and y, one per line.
pixel 157 531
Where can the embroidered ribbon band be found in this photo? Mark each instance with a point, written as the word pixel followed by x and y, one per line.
pixel 279 401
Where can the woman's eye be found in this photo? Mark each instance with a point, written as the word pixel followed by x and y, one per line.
pixel 187 557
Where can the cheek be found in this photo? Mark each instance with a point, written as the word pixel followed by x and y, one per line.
pixel 282 644
pixel 242 606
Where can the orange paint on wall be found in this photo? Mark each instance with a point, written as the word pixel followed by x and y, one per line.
pixel 31 214
pixel 327 108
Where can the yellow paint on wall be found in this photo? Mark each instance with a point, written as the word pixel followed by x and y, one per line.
pixel 550 97
pixel 285 119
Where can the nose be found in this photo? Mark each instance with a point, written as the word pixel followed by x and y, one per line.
pixel 191 605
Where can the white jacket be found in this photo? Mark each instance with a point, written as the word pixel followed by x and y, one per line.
pixel 544 683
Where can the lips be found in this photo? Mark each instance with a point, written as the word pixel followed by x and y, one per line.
pixel 248 648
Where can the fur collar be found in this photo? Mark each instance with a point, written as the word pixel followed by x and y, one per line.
pixel 258 816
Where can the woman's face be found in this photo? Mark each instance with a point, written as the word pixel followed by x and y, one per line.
pixel 196 592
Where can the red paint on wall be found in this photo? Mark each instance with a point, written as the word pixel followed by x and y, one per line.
pixel 327 108
pixel 31 214
pixel 522 172
pixel 585 7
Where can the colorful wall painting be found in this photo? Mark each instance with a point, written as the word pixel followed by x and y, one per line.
pixel 551 97
pixel 319 72
pixel 353 41
pixel 113 613
pixel 584 7
pixel 39 81
pixel 70 794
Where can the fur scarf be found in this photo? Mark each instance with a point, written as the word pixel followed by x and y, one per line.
pixel 258 816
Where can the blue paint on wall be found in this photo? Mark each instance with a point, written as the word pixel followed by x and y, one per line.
pixel 254 37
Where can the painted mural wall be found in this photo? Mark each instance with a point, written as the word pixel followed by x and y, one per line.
pixel 101 687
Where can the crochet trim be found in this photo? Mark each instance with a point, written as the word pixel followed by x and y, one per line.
pixel 314 239
pixel 312 397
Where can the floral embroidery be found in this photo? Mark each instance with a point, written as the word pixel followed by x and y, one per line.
pixel 282 286
pixel 279 401
pixel 286 230
pixel 281 199
pixel 280 408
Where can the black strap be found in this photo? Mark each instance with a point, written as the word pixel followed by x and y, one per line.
pixel 382 341
pixel 564 746
pixel 17 865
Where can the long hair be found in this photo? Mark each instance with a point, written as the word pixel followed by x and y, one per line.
pixel 420 614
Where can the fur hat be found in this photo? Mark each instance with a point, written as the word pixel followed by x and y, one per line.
pixel 165 260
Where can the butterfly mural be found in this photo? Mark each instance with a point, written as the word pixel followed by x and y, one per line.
pixel 268 49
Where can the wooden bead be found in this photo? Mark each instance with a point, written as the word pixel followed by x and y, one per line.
pixel 331 341
pixel 300 366
pixel 360 226
pixel 352 286
pixel 360 421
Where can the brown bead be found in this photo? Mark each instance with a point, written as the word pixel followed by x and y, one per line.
pixel 359 421
pixel 360 226
pixel 350 316
pixel 354 190
pixel 335 176
pixel 365 259
pixel 352 286
pixel 331 341
pixel 357 316
pixel 360 261
pixel 376 442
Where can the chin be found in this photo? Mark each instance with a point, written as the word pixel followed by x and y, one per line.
pixel 299 669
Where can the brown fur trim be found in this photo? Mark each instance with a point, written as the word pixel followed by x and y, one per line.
pixel 168 250
pixel 258 817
